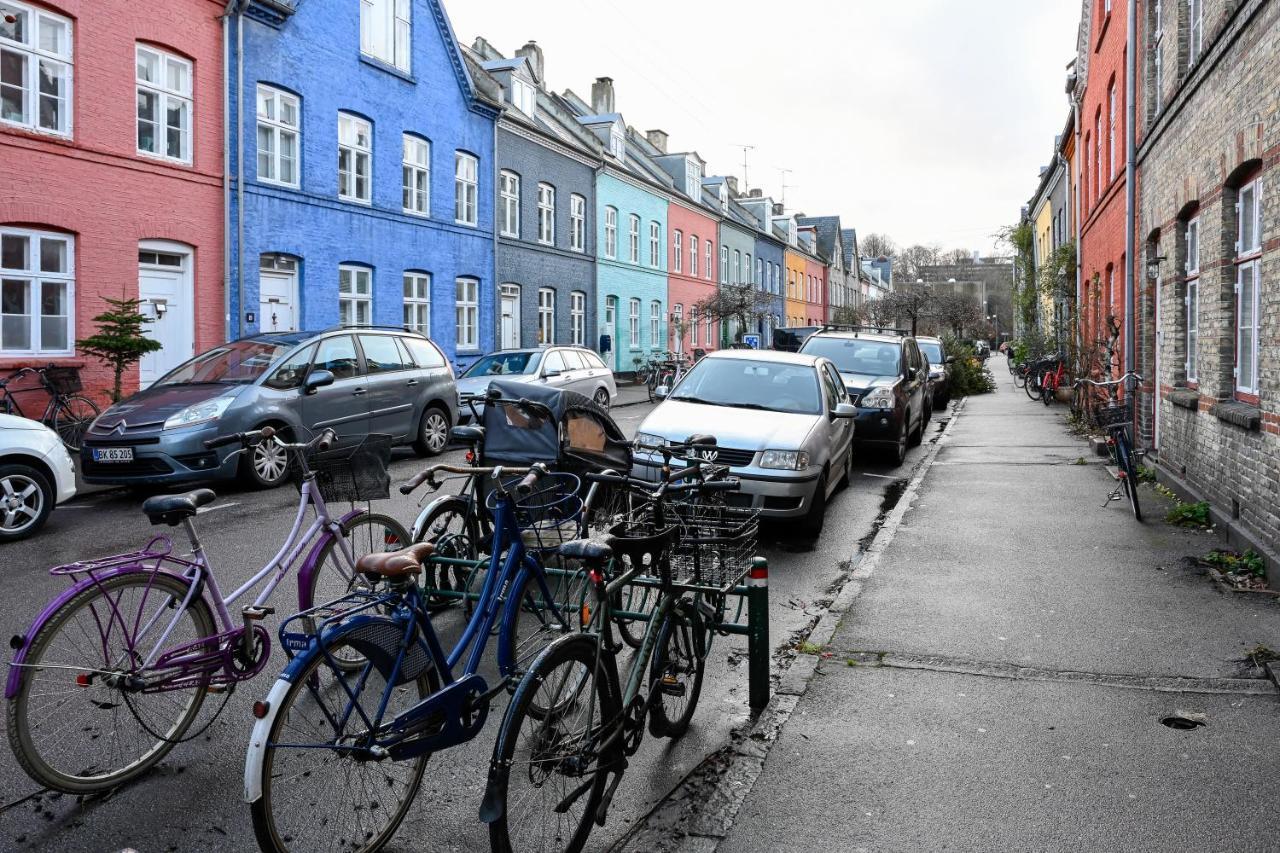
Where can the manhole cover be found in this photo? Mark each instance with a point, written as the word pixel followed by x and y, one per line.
pixel 1184 721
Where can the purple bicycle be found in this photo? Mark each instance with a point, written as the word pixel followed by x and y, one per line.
pixel 113 672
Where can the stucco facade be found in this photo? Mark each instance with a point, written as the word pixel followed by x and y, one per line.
pixel 796 308
pixel 741 246
pixel 628 290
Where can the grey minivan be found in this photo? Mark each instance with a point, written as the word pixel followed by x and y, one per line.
pixel 356 381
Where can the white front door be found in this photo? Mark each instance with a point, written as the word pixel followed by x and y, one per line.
pixel 277 298
pixel 164 286
pixel 510 313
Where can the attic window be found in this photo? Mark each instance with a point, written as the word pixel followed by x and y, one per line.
pixel 692 178
pixel 522 96
pixel 617 143
pixel 724 197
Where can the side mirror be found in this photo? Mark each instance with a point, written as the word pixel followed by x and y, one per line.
pixel 844 410
pixel 913 372
pixel 951 359
pixel 661 392
pixel 551 374
pixel 316 379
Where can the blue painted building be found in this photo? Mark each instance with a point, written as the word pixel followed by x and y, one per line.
pixel 362 173
pixel 770 251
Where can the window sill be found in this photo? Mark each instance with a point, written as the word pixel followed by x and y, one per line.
pixel 160 158
pixel 465 224
pixel 416 214
pixel 37 132
pixel 1187 398
pixel 390 69
pixel 267 182
pixel 360 201
pixel 1235 412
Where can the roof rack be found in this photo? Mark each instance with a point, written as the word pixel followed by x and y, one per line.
pixel 879 330
pixel 386 327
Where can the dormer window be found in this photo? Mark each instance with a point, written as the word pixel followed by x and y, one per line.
pixel 692 178
pixel 617 143
pixel 523 96
pixel 724 197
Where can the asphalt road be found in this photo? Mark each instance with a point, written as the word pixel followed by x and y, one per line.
pixel 192 801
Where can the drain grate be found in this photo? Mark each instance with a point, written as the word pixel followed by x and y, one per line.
pixel 1184 721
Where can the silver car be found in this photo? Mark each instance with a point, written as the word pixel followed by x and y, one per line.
pixel 566 367
pixel 783 424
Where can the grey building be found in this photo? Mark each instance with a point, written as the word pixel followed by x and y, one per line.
pixel 545 205
pixel 738 242
pixel 842 281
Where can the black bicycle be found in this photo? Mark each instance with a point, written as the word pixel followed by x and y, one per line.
pixel 68 412
pixel 1117 419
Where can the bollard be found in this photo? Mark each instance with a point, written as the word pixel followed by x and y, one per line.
pixel 758 633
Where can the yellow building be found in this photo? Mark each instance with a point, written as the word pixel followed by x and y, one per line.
pixel 796 306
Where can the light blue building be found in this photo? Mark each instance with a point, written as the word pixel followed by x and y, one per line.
pixel 362 172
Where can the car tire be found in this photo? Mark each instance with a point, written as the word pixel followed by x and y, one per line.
pixel 811 523
pixel 943 401
pixel 897 453
pixel 26 499
pixel 846 479
pixel 602 398
pixel 433 432
pixel 917 435
pixel 266 465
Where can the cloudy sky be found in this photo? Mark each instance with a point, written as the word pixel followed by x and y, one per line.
pixel 927 120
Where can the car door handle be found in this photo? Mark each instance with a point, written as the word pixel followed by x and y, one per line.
pixel 412 382
pixel 359 392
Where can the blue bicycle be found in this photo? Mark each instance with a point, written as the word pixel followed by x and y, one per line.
pixel 337 754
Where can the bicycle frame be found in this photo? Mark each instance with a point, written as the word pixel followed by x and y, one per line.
pixel 10 398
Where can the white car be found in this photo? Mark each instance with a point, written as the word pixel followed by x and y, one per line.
pixel 36 473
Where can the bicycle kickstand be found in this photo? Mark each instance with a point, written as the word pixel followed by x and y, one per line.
pixel 1113 496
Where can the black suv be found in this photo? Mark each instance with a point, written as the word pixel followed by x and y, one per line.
pixel 940 362
pixel 888 380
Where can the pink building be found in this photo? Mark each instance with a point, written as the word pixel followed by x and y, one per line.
pixel 693 272
pixel 111 131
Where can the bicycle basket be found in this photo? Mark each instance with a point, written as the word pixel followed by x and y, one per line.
pixel 1114 416
pixel 715 545
pixel 354 472
pixel 64 380
pixel 549 514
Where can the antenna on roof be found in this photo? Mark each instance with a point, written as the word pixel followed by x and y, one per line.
pixel 745 148
pixel 785 187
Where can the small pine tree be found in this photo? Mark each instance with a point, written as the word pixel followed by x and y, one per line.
pixel 119 341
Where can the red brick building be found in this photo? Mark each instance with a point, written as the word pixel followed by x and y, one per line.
pixel 111 131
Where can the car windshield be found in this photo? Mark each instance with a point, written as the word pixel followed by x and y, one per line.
pixel 854 355
pixel 236 363
pixel 506 364
pixel 751 384
pixel 932 351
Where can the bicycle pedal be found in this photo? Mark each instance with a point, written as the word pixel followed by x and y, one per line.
pixel 254 613
pixel 670 687
pixel 216 689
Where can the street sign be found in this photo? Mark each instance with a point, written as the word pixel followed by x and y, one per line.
pixel 752 341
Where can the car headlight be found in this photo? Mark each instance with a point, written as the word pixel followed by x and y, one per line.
pixel 649 441
pixel 787 460
pixel 200 413
pixel 878 398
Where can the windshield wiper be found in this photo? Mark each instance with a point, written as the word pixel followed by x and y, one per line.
pixel 699 401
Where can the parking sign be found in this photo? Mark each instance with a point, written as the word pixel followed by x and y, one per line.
pixel 752 341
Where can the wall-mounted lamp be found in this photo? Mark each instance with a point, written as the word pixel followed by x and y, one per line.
pixel 1153 267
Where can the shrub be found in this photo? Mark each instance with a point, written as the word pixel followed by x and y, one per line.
pixel 968 374
pixel 1189 515
pixel 1249 563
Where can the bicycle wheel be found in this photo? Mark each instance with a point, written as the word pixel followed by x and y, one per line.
pixel 1048 389
pixel 539 622
pixel 77 725
pixel 634 598
pixel 549 771
pixel 675 673
pixel 1032 386
pixel 1124 454
pixel 71 419
pixel 455 533
pixel 1019 377
pixel 318 794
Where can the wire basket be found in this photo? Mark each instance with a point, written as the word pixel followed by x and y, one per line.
pixel 64 380
pixel 549 514
pixel 1114 416
pixel 353 473
pixel 712 545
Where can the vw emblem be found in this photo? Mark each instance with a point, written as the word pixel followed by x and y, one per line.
pixel 707 455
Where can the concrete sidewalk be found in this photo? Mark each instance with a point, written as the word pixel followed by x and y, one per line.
pixel 1000 681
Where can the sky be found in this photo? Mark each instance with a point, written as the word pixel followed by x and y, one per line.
pixel 927 120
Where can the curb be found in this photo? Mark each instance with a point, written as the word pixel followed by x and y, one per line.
pixel 692 819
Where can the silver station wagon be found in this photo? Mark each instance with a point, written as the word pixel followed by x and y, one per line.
pixel 355 381
pixel 783 424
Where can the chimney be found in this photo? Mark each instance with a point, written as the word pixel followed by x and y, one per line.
pixel 658 139
pixel 777 208
pixel 602 95
pixel 533 54
pixel 732 181
pixel 756 193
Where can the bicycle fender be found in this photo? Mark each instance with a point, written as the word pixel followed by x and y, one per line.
pixel 257 752
pixel 312 563
pixel 22 642
pixel 415 532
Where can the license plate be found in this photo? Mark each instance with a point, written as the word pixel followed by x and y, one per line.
pixel 112 454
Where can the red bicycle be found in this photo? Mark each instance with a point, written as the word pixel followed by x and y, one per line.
pixel 1046 378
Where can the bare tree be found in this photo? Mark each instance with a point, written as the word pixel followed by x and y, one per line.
pixel 877 246
pixel 911 260
pixel 955 256
pixel 957 313
pixel 740 303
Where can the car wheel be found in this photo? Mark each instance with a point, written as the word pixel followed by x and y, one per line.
pixel 898 452
pixel 811 524
pixel 944 401
pixel 602 398
pixel 266 465
pixel 846 479
pixel 26 499
pixel 917 435
pixel 433 432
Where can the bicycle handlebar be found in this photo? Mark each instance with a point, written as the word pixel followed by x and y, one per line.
pixel 1131 374
pixel 428 476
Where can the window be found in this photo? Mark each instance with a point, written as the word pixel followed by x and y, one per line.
pixel 466 169
pixel 655 244
pixel 693 179
pixel 577 223
pixel 677 242
pixel 35 69
pixel 546 316
pixel 37 292
pixel 1111 131
pixel 417 175
pixel 633 239
pixel 1195 30
pixel 546 214
pixel 724 264
pixel 693 325
pixel 746 270
pixel 677 324
pixel 707 258
pixel 1157 57
pixel 693 255
pixel 417 302
pixel 1097 155
pixel 164 105
pixel 355 158
pixel 711 340
pixel 635 323
pixel 617 142
pixel 578 317
pixel 610 312
pixel 467 295
pixel 760 280
pixel 522 95
pixel 509 204
pixel 1248 286
pixel 611 232
pixel 385 31
pixel 279 126
pixel 338 356
pixel 737 266
pixel 355 295
pixel 655 323
pixel 383 355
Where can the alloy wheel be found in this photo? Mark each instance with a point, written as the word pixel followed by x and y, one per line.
pixel 435 431
pixel 21 503
pixel 270 462
pixel 602 398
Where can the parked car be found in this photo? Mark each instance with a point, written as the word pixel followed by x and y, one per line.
pixel 568 368
pixel 791 339
pixel 982 349
pixel 356 381
pixel 782 422
pixel 886 376
pixel 36 474
pixel 939 369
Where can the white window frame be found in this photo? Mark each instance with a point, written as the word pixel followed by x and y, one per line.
pixel 354 298
pixel 1191 303
pixel 655 323
pixel 57 59
pixel 677 322
pixel 358 152
pixel 1111 131
pixel 633 239
pixel 611 233
pixel 1157 57
pixel 577 223
pixel 617 143
pixel 737 266
pixel 386 32
pixel 509 203
pixel 417 301
pixel 274 127
pixel 578 317
pixel 1195 31
pixel 522 95
pixel 693 255
pixel 709 271
pixel 34 279
pixel 693 179
pixel 724 264
pixel 634 323
pixel 166 97
pixel 546 316
pixel 466 188
pixel 1248 264
pixel 546 214
pixel 467 313
pixel 761 283
pixel 415 171
pixel 655 244
pixel 678 242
